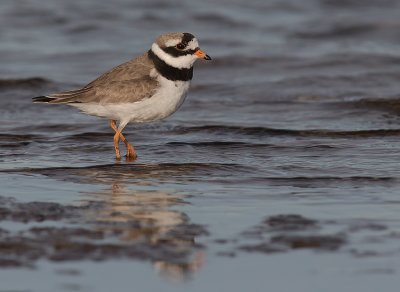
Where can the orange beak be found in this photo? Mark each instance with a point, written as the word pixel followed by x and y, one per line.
pixel 200 54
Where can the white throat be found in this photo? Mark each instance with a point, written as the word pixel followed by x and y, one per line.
pixel 177 62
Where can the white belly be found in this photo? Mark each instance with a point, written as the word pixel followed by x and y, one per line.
pixel 166 100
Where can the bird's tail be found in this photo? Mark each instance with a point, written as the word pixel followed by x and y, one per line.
pixel 72 96
pixel 42 99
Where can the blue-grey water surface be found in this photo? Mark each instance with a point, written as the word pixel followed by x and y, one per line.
pixel 280 172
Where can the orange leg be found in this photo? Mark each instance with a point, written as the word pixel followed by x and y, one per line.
pixel 130 151
pixel 116 139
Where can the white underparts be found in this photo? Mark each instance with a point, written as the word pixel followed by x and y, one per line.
pixel 166 100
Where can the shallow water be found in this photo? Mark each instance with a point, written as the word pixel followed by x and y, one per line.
pixel 280 170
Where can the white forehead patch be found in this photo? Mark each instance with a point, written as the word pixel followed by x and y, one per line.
pixel 172 43
pixel 191 45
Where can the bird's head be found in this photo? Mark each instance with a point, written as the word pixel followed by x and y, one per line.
pixel 178 49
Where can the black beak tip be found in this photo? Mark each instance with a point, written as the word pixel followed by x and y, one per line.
pixel 207 57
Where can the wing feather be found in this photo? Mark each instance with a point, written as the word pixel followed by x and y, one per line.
pixel 126 83
pixel 126 91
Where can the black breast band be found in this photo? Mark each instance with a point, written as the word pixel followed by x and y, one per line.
pixel 170 72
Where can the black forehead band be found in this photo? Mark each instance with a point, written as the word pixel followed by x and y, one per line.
pixel 187 37
pixel 176 53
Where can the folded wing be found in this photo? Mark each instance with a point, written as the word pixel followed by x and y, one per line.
pixel 126 83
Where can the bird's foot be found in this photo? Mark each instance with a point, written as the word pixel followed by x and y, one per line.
pixel 130 152
pixel 117 154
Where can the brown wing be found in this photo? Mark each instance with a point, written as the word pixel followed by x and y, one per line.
pixel 134 69
pixel 125 91
pixel 128 82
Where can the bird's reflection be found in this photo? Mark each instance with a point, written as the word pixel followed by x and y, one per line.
pixel 146 217
pixel 136 216
pixel 179 272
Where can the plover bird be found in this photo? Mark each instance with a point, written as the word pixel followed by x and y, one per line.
pixel 145 89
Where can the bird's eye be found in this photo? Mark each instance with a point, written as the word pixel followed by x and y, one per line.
pixel 180 46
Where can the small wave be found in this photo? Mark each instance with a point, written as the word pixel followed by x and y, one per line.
pixel 392 104
pixel 337 31
pixel 14 141
pixel 312 181
pixel 16 137
pixel 34 82
pixel 80 29
pixel 346 4
pixel 90 136
pixel 111 172
pixel 261 131
pixel 347 59
pixel 240 61
pixel 370 84
pixel 324 179
pixel 14 145
pixel 140 167
pixel 230 144
pixel 52 128
pixel 156 4
pixel 220 20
